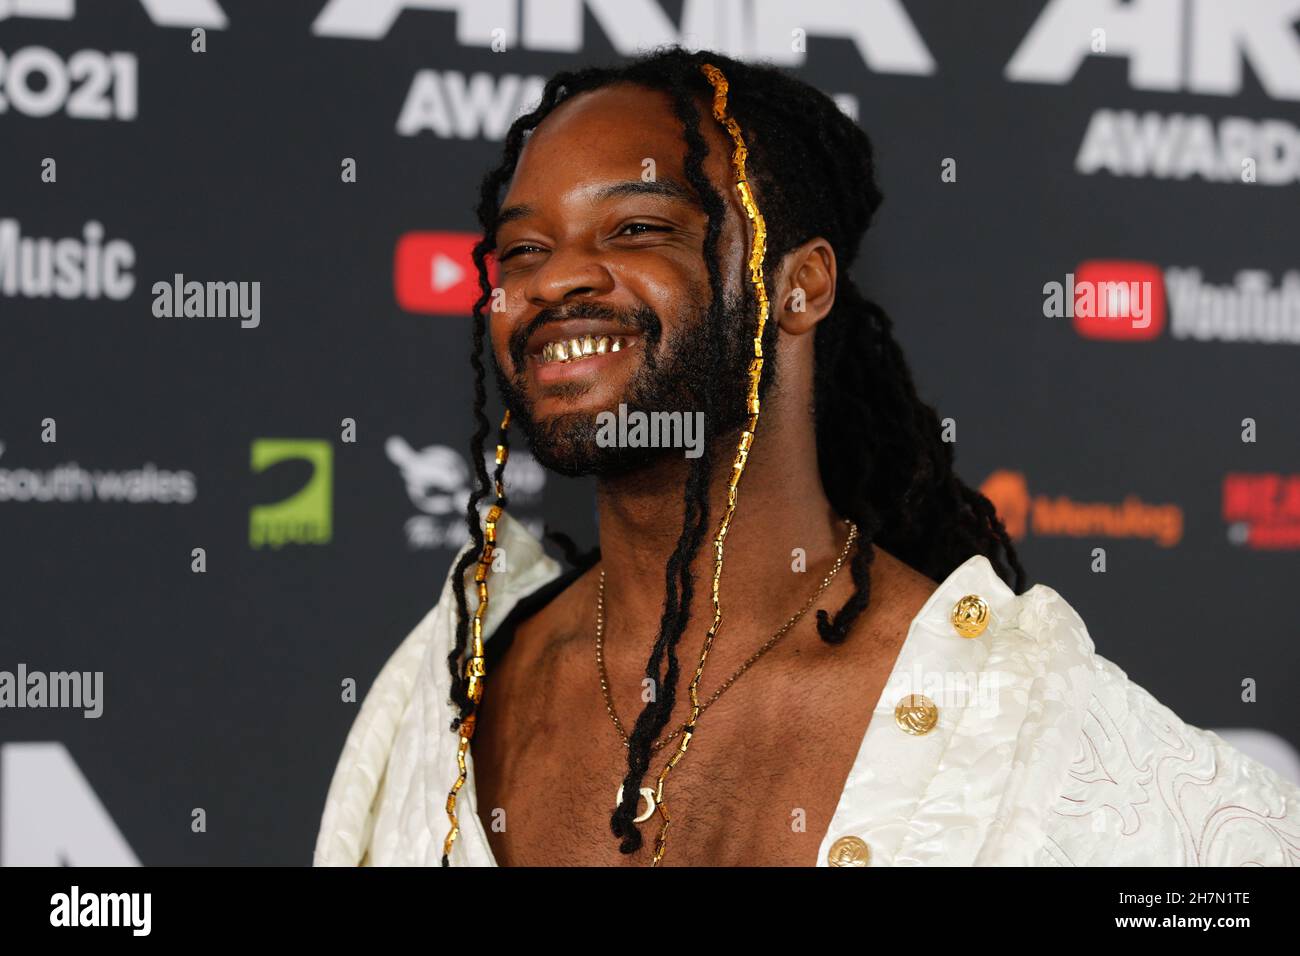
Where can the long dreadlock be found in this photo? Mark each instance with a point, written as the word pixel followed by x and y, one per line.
pixel 882 460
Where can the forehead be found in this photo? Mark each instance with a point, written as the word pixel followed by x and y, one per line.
pixel 606 135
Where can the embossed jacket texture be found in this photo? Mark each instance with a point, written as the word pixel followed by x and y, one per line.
pixel 1044 752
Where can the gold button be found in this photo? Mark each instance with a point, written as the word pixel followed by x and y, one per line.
pixel 916 714
pixel 970 616
pixel 849 851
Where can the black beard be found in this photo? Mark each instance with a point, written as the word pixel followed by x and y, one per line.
pixel 704 367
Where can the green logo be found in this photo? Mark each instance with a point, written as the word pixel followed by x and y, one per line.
pixel 302 518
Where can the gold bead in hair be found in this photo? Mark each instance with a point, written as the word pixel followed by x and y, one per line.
pixel 475 668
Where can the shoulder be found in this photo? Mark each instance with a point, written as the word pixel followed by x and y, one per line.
pixel 406 714
pixel 347 820
pixel 364 765
pixel 1094 770
pixel 1147 788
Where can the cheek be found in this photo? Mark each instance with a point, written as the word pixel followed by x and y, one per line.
pixel 513 315
pixel 500 327
pixel 672 293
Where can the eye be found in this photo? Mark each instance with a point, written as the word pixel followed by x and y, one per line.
pixel 643 226
pixel 516 251
pixel 650 226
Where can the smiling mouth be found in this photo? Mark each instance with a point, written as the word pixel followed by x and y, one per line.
pixel 582 347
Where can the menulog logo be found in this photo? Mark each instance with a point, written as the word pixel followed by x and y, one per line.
pixel 1064 517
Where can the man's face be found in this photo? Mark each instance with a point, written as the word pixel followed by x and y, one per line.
pixel 602 243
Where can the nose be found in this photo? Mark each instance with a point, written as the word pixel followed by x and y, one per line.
pixel 568 272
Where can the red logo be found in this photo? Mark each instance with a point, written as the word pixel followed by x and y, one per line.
pixel 434 273
pixel 1045 514
pixel 1118 299
pixel 1262 510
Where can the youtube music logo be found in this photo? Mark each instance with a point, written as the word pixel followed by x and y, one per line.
pixel 1111 299
pixel 434 274
pixel 1118 299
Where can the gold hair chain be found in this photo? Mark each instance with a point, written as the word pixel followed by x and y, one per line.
pixel 474 664
pixel 738 157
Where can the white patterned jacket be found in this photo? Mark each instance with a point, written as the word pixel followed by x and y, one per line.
pixel 1044 754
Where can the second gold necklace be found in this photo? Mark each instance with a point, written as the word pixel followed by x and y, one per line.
pixel 771 642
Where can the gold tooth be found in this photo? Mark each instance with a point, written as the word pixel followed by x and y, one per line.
pixel 577 348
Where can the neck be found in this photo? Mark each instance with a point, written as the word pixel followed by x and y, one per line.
pixel 781 506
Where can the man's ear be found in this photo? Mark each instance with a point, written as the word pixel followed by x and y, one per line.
pixel 806 290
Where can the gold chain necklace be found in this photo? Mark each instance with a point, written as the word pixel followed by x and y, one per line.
pixel 771 642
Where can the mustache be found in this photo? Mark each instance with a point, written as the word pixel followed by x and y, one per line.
pixel 642 319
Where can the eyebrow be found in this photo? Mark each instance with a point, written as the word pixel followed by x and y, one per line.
pixel 664 187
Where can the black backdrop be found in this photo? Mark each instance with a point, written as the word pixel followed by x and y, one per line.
pixel 222 688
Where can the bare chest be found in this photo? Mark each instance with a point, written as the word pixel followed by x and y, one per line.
pixel 758 785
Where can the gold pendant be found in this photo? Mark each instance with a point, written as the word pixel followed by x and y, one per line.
pixel 649 796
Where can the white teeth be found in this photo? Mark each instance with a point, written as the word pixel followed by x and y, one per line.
pixel 575 350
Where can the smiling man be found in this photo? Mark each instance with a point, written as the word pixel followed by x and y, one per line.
pixel 677 680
